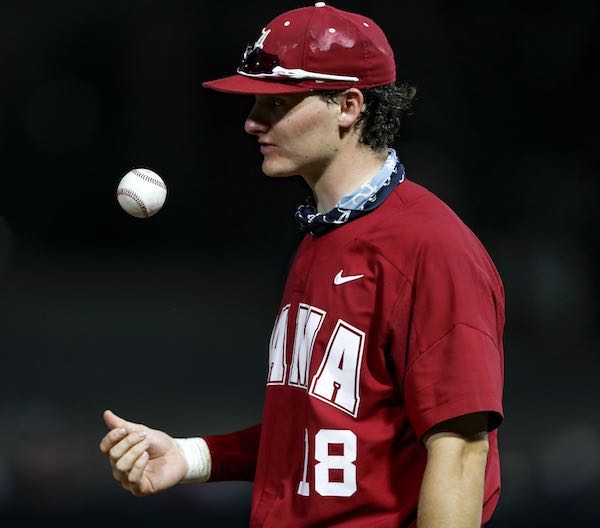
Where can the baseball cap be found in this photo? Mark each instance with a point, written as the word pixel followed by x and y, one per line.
pixel 313 48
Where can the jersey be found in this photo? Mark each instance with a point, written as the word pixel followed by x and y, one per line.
pixel 388 325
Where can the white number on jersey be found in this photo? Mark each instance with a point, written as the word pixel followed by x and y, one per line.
pixel 304 486
pixel 335 474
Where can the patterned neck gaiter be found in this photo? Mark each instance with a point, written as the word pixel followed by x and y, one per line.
pixel 361 201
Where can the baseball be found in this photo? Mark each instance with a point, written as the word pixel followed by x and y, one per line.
pixel 141 193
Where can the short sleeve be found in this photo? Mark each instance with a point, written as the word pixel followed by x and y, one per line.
pixel 453 361
pixel 459 374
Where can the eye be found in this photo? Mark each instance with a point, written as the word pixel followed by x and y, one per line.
pixel 276 102
pixel 272 103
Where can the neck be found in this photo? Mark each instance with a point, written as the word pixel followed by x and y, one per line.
pixel 347 171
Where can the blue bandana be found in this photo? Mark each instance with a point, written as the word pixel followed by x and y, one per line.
pixel 367 197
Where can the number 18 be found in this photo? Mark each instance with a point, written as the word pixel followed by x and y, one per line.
pixel 346 485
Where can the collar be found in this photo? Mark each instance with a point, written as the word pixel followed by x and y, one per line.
pixel 359 202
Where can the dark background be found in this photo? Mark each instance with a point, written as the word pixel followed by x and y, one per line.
pixel 166 320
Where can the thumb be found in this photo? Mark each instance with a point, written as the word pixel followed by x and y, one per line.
pixel 113 421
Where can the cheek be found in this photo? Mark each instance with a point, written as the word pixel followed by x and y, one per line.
pixel 312 133
pixel 318 123
pixel 305 125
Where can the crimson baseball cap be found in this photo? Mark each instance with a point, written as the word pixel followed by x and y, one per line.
pixel 313 48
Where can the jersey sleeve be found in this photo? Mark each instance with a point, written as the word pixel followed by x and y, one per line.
pixel 233 455
pixel 451 361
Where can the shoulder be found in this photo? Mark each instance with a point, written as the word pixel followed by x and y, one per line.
pixel 421 236
pixel 414 221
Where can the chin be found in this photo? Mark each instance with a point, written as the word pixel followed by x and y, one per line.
pixel 275 170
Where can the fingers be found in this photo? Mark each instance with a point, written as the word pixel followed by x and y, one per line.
pixel 111 439
pixel 126 462
pixel 136 474
pixel 128 458
pixel 121 447
pixel 125 446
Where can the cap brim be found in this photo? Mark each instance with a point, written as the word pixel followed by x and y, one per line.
pixel 240 84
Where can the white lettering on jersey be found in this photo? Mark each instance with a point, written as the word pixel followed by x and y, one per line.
pixel 259 43
pixel 337 380
pixel 277 347
pixel 308 323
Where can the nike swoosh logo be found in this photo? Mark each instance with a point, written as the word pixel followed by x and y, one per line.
pixel 338 279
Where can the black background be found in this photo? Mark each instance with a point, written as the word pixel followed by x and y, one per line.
pixel 166 320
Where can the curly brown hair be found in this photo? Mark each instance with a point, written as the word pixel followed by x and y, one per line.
pixel 385 108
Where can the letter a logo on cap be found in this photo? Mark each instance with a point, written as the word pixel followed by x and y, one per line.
pixel 259 43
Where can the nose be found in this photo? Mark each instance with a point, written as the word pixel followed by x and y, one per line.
pixel 255 123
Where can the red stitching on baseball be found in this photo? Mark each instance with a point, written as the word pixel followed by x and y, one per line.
pixel 149 178
pixel 136 198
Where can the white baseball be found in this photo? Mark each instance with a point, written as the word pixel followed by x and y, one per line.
pixel 141 193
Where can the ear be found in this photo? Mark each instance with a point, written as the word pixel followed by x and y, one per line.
pixel 351 105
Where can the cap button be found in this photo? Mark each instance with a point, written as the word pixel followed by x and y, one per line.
pixel 320 4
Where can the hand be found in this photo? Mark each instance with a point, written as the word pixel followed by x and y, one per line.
pixel 143 460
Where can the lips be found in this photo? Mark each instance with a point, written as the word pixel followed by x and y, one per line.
pixel 265 148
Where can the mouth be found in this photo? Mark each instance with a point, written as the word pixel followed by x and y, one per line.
pixel 266 148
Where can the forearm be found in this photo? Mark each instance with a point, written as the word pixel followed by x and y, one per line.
pixel 233 455
pixel 452 488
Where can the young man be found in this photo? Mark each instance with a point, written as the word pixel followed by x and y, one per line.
pixel 385 370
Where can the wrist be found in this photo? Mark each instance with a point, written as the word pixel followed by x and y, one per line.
pixel 197 457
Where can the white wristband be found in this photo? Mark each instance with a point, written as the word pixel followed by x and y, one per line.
pixel 197 455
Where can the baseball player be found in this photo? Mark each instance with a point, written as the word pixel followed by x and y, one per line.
pixel 384 376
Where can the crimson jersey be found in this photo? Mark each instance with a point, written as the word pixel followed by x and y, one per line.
pixel 388 325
